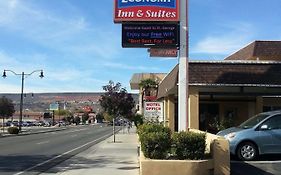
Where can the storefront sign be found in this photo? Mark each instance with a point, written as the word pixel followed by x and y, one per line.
pixel 153 111
pixel 150 35
pixel 146 10
pixel 157 52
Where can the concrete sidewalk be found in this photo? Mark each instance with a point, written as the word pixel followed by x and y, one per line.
pixel 105 158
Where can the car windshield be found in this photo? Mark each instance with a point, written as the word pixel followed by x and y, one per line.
pixel 253 121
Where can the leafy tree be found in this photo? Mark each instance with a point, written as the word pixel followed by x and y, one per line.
pixel 138 119
pixel 77 120
pixel 116 101
pixel 62 112
pixel 148 87
pixel 99 117
pixel 85 117
pixel 107 117
pixel 7 108
pixel 70 119
pixel 148 83
pixel 77 110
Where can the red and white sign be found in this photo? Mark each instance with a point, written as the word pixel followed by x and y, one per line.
pixel 159 52
pixel 146 10
pixel 153 111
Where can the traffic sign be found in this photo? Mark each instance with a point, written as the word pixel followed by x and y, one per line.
pixel 159 52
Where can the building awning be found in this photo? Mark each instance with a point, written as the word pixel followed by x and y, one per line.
pixel 137 77
pixel 168 83
pixel 225 73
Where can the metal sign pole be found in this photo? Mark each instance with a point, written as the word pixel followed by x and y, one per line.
pixel 183 120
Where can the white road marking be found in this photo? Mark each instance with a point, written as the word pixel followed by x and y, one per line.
pixel 40 143
pixel 47 161
pixel 76 130
pixel 257 162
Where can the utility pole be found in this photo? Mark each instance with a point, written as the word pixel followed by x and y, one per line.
pixel 183 114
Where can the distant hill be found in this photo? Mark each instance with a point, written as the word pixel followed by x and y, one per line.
pixel 39 102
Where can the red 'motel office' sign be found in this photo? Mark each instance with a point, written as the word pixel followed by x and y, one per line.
pixel 146 10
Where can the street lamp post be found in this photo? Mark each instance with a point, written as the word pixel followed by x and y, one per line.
pixel 23 75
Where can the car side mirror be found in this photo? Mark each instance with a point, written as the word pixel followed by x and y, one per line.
pixel 264 127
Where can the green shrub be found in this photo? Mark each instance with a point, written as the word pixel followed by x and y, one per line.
pixel 155 145
pixel 147 128
pixel 155 140
pixel 189 145
pixel 138 119
pixel 13 130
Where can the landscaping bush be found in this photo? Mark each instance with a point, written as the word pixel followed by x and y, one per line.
pixel 155 145
pixel 138 119
pixel 13 130
pixel 155 140
pixel 148 128
pixel 189 145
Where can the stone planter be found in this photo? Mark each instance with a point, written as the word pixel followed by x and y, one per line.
pixel 176 167
pixel 218 164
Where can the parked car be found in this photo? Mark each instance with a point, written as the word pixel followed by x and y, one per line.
pixel 8 123
pixel 260 134
pixel 27 123
pixel 39 123
pixel 15 123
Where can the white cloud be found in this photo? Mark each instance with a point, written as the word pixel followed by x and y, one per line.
pixel 72 35
pixel 40 25
pixel 129 67
pixel 73 50
pixel 5 59
pixel 229 38
pixel 19 63
pixel 10 88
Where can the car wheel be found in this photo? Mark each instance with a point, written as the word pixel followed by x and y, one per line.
pixel 247 151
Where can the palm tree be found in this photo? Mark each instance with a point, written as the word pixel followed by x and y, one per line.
pixel 148 87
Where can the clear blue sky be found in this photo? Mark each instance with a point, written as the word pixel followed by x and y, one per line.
pixel 79 48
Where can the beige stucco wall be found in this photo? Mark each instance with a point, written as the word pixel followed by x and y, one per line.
pixel 241 110
pixel 169 106
pixel 175 167
pixel 259 105
pixel 140 102
pixel 193 108
pixel 169 112
pixel 221 155
pixel 272 101
pixel 219 149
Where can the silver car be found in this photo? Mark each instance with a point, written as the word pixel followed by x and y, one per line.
pixel 260 134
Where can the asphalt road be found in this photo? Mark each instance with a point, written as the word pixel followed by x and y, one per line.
pixel 266 165
pixel 35 153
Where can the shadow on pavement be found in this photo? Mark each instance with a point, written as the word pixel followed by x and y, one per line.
pixel 264 165
pixel 273 157
pixel 13 164
pixel 17 163
pixel 97 162
pixel 245 168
